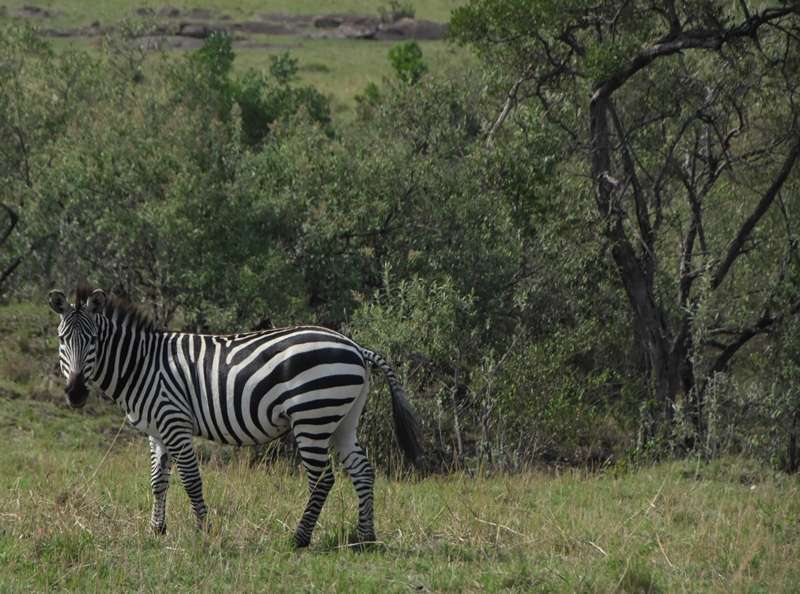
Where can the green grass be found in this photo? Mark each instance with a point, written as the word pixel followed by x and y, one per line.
pixel 75 12
pixel 356 63
pixel 75 503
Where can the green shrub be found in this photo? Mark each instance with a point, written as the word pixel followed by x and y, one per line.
pixel 406 60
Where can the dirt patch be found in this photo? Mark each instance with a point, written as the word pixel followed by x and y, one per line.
pixel 261 27
pixel 412 29
pixel 169 12
pixel 296 20
pixel 199 30
pixel 30 11
pixel 327 21
pixel 160 42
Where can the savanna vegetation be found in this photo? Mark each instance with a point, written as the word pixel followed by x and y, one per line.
pixel 75 502
pixel 573 228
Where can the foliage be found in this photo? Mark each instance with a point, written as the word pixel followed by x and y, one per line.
pixel 261 99
pixel 406 59
pixel 39 95
pixel 662 112
pixel 369 99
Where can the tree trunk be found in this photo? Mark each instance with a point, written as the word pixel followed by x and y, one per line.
pixel 637 276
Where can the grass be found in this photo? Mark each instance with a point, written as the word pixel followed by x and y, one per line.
pixel 357 63
pixel 74 510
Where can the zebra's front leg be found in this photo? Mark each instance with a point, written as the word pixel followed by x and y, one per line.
pixel 181 450
pixel 159 481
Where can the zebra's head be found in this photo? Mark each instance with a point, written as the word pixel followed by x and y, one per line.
pixel 77 340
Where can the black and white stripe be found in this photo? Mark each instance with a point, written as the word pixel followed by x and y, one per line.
pixel 234 389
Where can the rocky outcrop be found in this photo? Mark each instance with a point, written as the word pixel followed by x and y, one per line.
pixel 407 28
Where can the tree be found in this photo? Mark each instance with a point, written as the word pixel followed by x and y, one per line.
pixel 684 119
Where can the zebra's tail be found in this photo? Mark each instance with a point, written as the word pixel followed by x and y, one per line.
pixel 406 426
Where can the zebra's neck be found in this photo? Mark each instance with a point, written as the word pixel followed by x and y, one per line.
pixel 128 358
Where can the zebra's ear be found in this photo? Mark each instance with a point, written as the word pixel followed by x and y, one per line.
pixel 96 301
pixel 58 302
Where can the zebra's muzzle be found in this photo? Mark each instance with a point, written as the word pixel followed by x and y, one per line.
pixel 77 392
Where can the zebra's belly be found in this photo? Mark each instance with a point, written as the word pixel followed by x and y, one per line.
pixel 233 431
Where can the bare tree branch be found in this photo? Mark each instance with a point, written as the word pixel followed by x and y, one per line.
pixel 642 214
pixel 735 247
pixel 9 270
pixel 511 100
pixel 694 39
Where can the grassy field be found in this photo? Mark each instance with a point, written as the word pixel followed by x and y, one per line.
pixel 357 63
pixel 74 510
pixel 339 68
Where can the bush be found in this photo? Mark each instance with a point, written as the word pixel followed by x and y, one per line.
pixel 262 99
pixel 406 60
pixel 425 329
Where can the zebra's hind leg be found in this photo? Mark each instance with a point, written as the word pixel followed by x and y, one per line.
pixel 159 481
pixel 362 476
pixel 355 461
pixel 320 482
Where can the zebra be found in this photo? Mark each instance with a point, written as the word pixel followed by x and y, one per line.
pixel 247 388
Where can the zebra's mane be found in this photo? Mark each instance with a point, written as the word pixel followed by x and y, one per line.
pixel 82 293
pixel 118 307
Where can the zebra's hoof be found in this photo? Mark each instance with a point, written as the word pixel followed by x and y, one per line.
pixel 366 538
pixel 363 547
pixel 301 541
pixel 159 529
